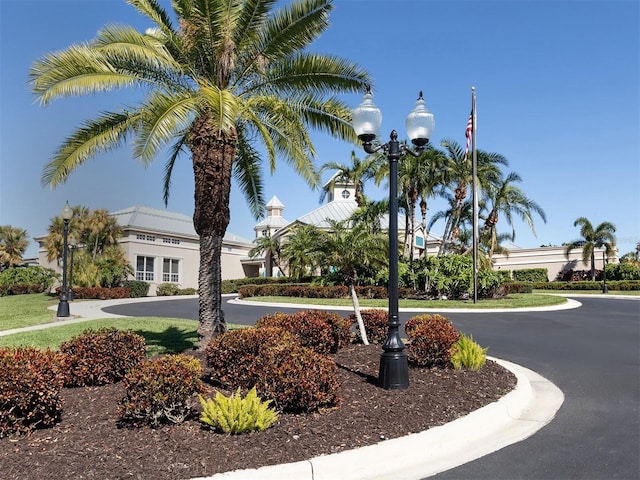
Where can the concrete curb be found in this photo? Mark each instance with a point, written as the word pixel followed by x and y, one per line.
pixel 516 416
pixel 570 304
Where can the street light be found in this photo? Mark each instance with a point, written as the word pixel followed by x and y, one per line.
pixel 63 304
pixel 367 119
pixel 605 289
pixel 73 244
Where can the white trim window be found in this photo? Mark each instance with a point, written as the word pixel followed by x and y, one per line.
pixel 144 268
pixel 171 270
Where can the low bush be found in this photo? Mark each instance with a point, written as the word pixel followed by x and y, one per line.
pixel 30 385
pixel 162 391
pixel 237 414
pixel 531 275
pixel 137 288
pixel 98 293
pixel 466 353
pixel 322 331
pixel 167 289
pixel 101 357
pixel 430 340
pixel 40 279
pixel 296 378
pixel 375 323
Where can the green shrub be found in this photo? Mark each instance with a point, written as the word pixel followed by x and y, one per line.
pixel 375 323
pixel 161 391
pixel 138 288
pixel 515 287
pixel 167 289
pixel 430 340
pixel 468 354
pixel 100 293
pixel 187 291
pixel 237 414
pixel 22 280
pixel 101 357
pixel 322 331
pixel 296 378
pixel 531 275
pixel 30 385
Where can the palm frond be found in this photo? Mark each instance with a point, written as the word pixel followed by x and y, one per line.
pixel 165 116
pixel 77 70
pixel 294 27
pixel 168 168
pixel 106 132
pixel 246 171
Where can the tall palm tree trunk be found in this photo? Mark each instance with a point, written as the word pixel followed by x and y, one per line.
pixel 213 156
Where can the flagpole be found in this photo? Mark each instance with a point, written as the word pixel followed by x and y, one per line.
pixel 475 194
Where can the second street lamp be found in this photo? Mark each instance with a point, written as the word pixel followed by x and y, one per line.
pixel 73 244
pixel 63 304
pixel 367 120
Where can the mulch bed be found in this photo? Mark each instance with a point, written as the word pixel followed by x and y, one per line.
pixel 88 444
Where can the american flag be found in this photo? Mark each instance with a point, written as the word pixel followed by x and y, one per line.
pixel 467 133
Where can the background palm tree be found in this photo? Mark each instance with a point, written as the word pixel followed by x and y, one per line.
pixel 350 248
pixel 270 248
pixel 508 199
pixel 232 76
pixel 592 238
pixel 13 243
pixel 357 173
pixel 460 174
pixel 301 250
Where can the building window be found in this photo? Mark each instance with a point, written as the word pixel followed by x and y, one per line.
pixel 419 241
pixel 146 238
pixel 173 241
pixel 171 270
pixel 345 194
pixel 144 268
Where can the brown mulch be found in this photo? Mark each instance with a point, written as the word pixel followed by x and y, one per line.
pixel 87 443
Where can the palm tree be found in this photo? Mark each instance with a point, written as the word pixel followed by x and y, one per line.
pixel 270 248
pixel 350 248
pixel 370 214
pixel 460 173
pixel 508 199
pixel 231 79
pixel 592 238
pixel 357 173
pixel 301 250
pixel 100 230
pixel 13 244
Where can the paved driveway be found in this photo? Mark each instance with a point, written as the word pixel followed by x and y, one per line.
pixel 591 353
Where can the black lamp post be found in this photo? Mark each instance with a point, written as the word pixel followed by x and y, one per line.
pixel 63 304
pixel 367 119
pixel 73 244
pixel 605 288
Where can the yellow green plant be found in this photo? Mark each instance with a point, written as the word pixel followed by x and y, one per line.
pixel 468 354
pixel 237 414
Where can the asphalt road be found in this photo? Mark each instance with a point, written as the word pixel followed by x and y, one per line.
pixel 591 353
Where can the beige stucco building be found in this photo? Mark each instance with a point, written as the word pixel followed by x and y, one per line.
pixel 163 246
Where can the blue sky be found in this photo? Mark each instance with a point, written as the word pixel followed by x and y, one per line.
pixel 558 94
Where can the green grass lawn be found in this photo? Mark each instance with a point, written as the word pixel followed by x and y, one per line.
pixel 518 300
pixel 18 311
pixel 162 335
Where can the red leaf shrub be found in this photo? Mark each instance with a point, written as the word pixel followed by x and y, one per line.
pixel 322 331
pixel 161 391
pixel 430 340
pixel 375 323
pixel 101 357
pixel 30 385
pixel 296 378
